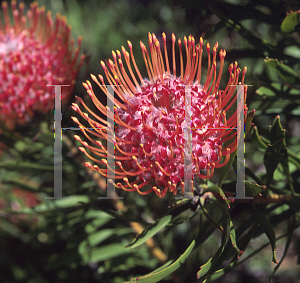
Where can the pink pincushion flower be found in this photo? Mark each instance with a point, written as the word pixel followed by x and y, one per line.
pixel 35 51
pixel 149 132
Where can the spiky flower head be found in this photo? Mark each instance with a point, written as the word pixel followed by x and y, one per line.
pixel 150 119
pixel 35 51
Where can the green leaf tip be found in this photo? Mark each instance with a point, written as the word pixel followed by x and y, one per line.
pixel 291 20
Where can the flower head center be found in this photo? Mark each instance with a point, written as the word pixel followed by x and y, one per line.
pixel 157 112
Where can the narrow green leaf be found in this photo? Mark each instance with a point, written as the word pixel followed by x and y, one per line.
pixel 278 90
pixel 220 272
pixel 150 231
pixel 294 51
pixel 25 166
pixel 267 228
pixel 290 21
pixel 104 253
pixel 73 201
pixel 272 158
pixel 286 169
pixel 231 228
pixel 124 218
pixel 88 184
pixel 253 189
pixel 248 122
pixel 13 230
pixel 266 91
pixel 162 267
pixel 233 238
pixel 253 176
pixel 217 190
pixel 245 240
pixel 93 213
pixel 156 277
pixel 101 220
pixel 293 157
pixel 291 229
pixel 205 230
pixel 208 267
pixel 96 238
pixel 276 132
pixel 257 140
pixel 263 246
pixel 242 242
pixel 180 206
pixel 284 71
pixel 212 221
pixel 204 269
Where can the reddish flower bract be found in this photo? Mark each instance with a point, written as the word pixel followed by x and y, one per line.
pixel 149 132
pixel 35 51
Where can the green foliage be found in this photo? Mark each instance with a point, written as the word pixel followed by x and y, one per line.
pixel 150 231
pixel 160 274
pixel 284 71
pixel 290 21
pixel 268 229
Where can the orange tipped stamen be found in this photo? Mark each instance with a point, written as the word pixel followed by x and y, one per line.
pixel 200 60
pixel 134 63
pixel 181 60
pixel 173 54
pixel 166 52
pixel 127 60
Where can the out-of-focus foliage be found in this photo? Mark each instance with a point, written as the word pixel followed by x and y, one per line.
pixel 142 238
